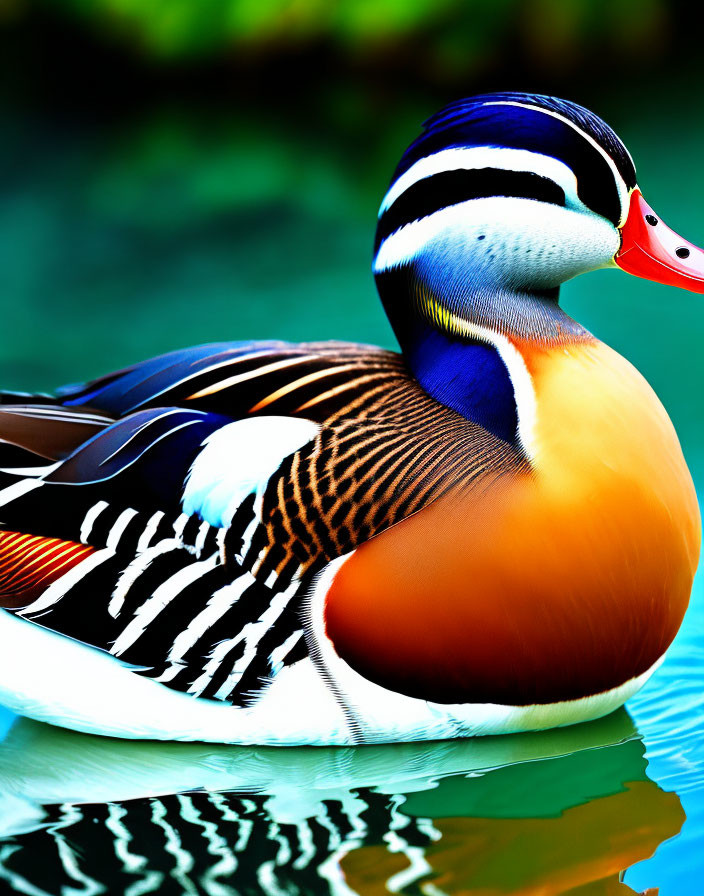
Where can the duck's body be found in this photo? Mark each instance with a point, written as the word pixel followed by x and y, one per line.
pixel 326 543
pixel 566 562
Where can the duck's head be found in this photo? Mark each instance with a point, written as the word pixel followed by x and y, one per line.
pixel 501 199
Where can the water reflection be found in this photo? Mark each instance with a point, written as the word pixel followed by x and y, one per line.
pixel 535 814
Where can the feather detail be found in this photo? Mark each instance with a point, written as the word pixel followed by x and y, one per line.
pixel 29 564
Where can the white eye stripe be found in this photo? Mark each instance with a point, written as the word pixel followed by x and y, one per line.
pixel 621 187
pixel 476 157
pixel 409 241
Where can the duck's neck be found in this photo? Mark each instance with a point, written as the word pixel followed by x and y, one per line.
pixel 469 377
pixel 464 348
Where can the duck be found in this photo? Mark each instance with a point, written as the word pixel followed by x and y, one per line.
pixel 492 530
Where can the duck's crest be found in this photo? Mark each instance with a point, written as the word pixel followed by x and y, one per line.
pixel 468 112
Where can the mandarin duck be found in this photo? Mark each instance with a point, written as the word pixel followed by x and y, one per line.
pixel 492 531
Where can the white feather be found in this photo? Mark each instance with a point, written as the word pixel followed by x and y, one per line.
pixel 239 460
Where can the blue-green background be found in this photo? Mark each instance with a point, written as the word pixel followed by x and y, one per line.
pixel 174 173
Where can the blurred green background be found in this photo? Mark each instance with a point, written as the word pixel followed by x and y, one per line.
pixel 180 171
pixel 183 171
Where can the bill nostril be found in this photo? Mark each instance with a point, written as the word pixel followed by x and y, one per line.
pixel 682 252
pixel 651 219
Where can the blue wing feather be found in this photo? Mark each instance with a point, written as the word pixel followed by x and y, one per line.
pixel 142 460
pixel 127 390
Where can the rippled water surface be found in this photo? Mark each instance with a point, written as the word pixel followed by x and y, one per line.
pixel 612 806
pixel 117 245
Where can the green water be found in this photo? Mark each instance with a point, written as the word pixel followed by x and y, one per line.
pixel 123 240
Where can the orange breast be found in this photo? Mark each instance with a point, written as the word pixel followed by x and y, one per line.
pixel 547 586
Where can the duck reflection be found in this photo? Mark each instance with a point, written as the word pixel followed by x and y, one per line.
pixel 557 812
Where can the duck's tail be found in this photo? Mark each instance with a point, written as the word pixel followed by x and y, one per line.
pixel 37 432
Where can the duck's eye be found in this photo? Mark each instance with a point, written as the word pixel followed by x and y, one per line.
pixel 682 252
pixel 651 219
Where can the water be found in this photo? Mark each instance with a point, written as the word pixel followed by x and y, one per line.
pixel 121 241
pixel 541 813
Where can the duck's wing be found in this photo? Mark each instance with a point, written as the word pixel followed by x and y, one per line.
pixel 34 435
pixel 181 540
pixel 240 378
pixel 98 548
pixel 311 380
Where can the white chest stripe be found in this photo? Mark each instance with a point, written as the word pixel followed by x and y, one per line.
pixel 523 390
